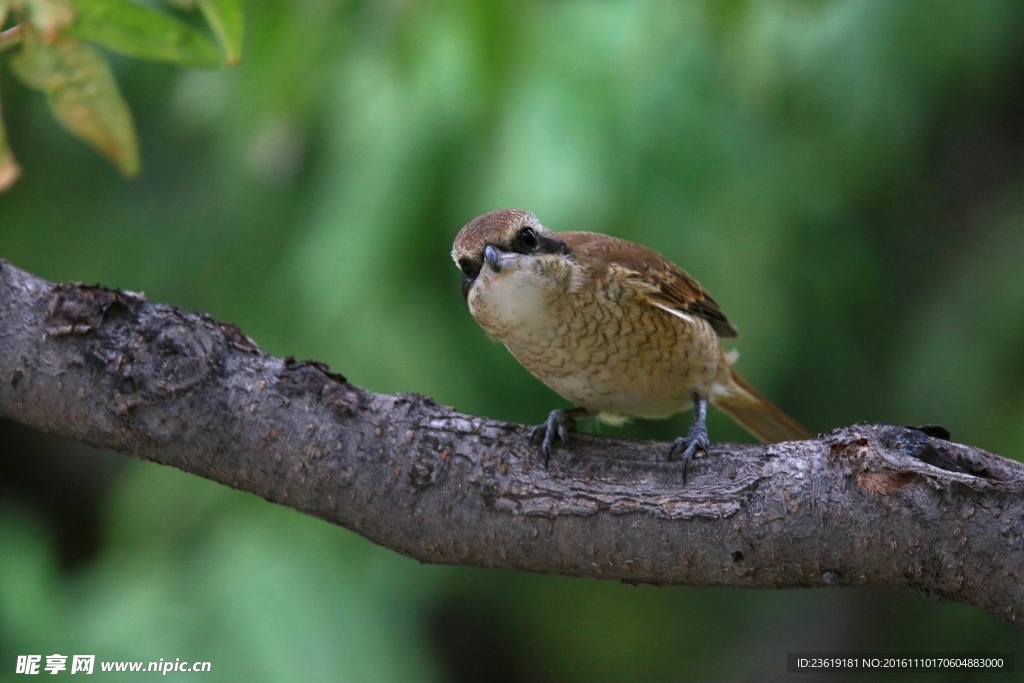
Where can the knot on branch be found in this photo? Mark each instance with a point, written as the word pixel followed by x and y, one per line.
pixel 78 309
pixel 147 352
pixel 315 379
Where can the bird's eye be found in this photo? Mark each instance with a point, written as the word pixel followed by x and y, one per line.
pixel 468 268
pixel 528 238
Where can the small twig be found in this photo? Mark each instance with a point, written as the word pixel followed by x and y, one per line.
pixel 11 38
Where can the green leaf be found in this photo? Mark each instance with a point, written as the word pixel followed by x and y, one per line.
pixel 9 169
pixel 49 17
pixel 82 94
pixel 226 21
pixel 139 31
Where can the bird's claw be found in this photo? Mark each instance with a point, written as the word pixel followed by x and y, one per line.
pixel 695 441
pixel 557 426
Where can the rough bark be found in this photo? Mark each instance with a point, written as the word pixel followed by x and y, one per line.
pixel 867 505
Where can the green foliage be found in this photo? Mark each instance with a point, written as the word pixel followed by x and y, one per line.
pixel 77 80
pixel 842 175
pixel 225 19
pixel 9 169
pixel 139 31
pixel 82 94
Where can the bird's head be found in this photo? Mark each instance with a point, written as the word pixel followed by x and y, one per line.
pixel 510 264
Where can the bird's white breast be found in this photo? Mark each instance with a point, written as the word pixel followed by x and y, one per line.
pixel 510 302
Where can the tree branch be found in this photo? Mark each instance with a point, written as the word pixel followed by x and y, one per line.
pixel 867 505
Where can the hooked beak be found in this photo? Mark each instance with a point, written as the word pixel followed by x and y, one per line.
pixel 499 260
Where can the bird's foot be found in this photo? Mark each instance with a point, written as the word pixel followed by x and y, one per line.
pixel 696 440
pixel 558 426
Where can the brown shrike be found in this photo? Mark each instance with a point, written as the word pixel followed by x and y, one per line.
pixel 611 326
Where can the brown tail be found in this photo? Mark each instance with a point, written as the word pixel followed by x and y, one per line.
pixel 759 416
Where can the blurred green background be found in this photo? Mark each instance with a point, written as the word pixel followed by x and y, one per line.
pixel 846 177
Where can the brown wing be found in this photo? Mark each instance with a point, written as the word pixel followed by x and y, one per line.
pixel 664 283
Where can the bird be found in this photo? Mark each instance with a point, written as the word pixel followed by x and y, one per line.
pixel 612 326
